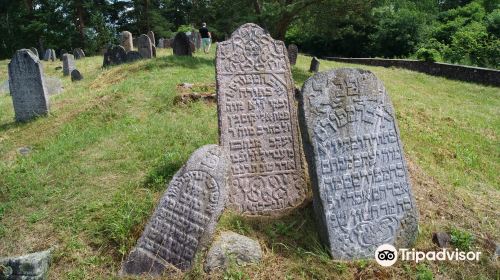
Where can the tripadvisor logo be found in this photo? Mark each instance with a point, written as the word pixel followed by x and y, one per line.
pixel 387 255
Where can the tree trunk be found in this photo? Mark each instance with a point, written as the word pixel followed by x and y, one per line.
pixel 282 26
pixel 80 22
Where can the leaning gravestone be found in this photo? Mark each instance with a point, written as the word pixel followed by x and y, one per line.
pixel 314 65
pixel 361 187
pixel 186 216
pixel 27 86
pixel 68 63
pixel 144 46
pixel 126 41
pixel 35 52
pixel 258 123
pixel 293 51
pixel 151 36
pixel 181 44
pixel 53 56
pixel 76 75
pixel 114 55
pixel 78 53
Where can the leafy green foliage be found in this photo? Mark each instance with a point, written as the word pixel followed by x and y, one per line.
pixel 462 240
pixel 429 55
pixel 424 273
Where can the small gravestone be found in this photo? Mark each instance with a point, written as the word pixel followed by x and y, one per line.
pixel 314 65
pixel 53 56
pixel 68 63
pixel 76 75
pixel 160 43
pixel 78 53
pixel 33 266
pixel 181 44
pixel 258 124
pixel 151 36
pixel 47 55
pixel 185 219
pixel 63 51
pixel 114 55
pixel 34 51
pixel 144 46
pixel 126 41
pixel 27 86
pixel 293 51
pixel 168 43
pixel 361 187
pixel 133 56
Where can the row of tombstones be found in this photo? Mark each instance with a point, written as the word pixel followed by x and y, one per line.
pixel 27 84
pixel 348 136
pixel 50 54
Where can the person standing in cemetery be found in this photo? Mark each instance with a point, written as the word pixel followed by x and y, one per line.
pixel 206 38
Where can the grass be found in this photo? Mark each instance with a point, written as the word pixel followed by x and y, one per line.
pixel 100 162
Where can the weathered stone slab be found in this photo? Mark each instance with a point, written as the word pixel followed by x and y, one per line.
pixel 362 193
pixel 33 266
pixel 144 46
pixel 160 43
pixel 258 123
pixel 168 43
pixel 314 67
pixel 126 41
pixel 293 51
pixel 68 64
pixel 27 86
pixel 133 56
pixel 35 52
pixel 151 36
pixel 114 55
pixel 181 44
pixel 47 55
pixel 76 75
pixel 186 216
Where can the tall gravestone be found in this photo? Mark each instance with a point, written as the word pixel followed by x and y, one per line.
pixel 151 36
pixel 144 46
pixel 68 63
pixel 186 216
pixel 293 51
pixel 126 41
pixel 181 44
pixel 27 86
pixel 361 188
pixel 258 123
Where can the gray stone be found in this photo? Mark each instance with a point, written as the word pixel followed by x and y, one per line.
pixel 293 51
pixel 28 267
pixel 151 36
pixel 442 239
pixel 68 64
pixel 144 46
pixel 126 41
pixel 185 219
pixel 231 248
pixel 314 65
pixel 361 189
pixel 160 43
pixel 76 75
pixel 258 124
pixel 47 55
pixel 168 43
pixel 24 151
pixel 35 52
pixel 27 86
pixel 114 55
pixel 133 56
pixel 53 56
pixel 78 53
pixel 181 45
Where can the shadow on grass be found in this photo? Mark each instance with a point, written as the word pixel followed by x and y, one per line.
pixel 295 234
pixel 163 171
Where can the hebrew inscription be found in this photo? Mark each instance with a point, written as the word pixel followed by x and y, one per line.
pixel 258 124
pixel 361 187
pixel 186 216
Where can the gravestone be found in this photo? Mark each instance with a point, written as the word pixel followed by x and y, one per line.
pixel 35 52
pixel 78 53
pixel 133 56
pixel 185 219
pixel 151 36
pixel 361 187
pixel 293 51
pixel 76 75
pixel 258 123
pixel 53 56
pixel 314 65
pixel 181 44
pixel 27 86
pixel 144 46
pixel 160 43
pixel 68 63
pixel 114 55
pixel 168 43
pixel 63 51
pixel 47 55
pixel 126 41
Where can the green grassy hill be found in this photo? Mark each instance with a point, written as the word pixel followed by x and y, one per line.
pixel 101 160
